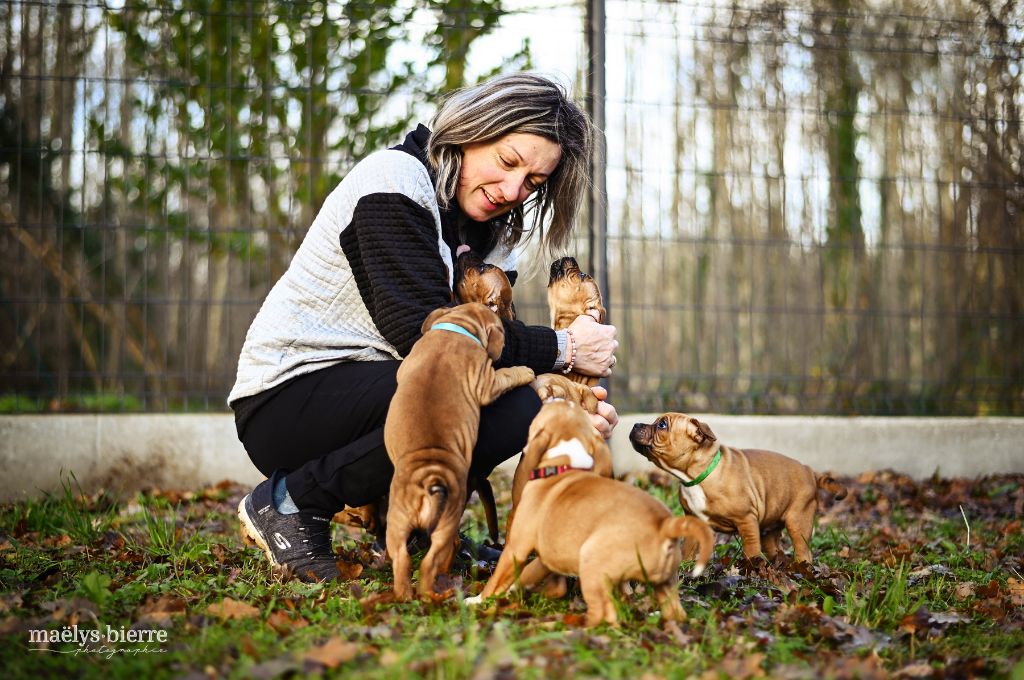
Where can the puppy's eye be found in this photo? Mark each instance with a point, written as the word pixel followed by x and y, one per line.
pixel 661 425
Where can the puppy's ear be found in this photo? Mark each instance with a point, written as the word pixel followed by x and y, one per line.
pixel 702 433
pixel 433 317
pixel 495 338
pixel 588 400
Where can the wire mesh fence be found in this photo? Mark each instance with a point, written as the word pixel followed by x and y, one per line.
pixel 814 207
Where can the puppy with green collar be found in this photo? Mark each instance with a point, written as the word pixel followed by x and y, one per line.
pixel 750 492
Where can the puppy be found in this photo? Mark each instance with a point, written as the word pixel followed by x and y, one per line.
pixel 750 492
pixel 550 386
pixel 478 281
pixel 583 524
pixel 572 293
pixel 431 429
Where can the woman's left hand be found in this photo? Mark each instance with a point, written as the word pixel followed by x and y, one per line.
pixel 606 417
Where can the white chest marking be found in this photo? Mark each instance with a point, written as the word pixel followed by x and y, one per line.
pixel 694 495
pixel 574 449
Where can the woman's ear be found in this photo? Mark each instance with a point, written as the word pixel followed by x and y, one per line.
pixel 433 317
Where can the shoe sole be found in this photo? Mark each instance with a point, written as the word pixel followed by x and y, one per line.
pixel 250 534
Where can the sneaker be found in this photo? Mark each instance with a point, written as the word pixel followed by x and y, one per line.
pixel 299 542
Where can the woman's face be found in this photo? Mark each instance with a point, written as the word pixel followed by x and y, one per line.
pixel 500 175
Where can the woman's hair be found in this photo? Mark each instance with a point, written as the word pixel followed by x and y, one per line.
pixel 524 103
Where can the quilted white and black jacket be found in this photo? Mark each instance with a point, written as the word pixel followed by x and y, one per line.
pixel 376 260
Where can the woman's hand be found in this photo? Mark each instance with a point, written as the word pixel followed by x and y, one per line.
pixel 606 418
pixel 595 346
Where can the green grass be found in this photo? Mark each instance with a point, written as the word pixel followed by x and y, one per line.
pixel 894 585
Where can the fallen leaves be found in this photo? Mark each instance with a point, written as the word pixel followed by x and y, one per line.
pixel 160 609
pixel 333 653
pixel 228 609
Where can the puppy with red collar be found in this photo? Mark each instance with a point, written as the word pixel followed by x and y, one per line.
pixel 583 524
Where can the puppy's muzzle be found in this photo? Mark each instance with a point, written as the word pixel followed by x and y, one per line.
pixel 562 267
pixel 641 438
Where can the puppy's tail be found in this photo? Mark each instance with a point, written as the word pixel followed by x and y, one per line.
pixel 827 483
pixel 692 529
pixel 436 500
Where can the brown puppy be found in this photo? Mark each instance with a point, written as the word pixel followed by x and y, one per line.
pixel 558 420
pixel 478 281
pixel 431 429
pixel 583 524
pixel 571 294
pixel 750 492
pixel 556 386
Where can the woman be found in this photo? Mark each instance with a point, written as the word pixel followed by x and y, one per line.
pixel 317 370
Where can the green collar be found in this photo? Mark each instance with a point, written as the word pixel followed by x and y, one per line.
pixel 711 468
pixel 454 328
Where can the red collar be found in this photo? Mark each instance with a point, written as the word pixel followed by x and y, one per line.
pixel 549 471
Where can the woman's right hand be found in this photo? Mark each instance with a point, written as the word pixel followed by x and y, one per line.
pixel 595 346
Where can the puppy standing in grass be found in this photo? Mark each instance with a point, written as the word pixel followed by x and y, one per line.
pixel 750 492
pixel 431 429
pixel 583 524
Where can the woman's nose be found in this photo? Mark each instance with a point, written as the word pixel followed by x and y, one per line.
pixel 512 188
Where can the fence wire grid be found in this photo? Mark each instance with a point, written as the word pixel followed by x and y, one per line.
pixel 813 207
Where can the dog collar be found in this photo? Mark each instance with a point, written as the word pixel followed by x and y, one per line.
pixel 711 468
pixel 454 328
pixel 549 471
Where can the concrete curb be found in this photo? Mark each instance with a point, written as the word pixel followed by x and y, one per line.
pixel 125 453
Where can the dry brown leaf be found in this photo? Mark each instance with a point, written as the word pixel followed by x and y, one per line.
pixel 389 657
pixel 1016 589
pixel 160 609
pixel 348 571
pixel 283 623
pixel 916 670
pixel 573 619
pixel 965 590
pixel 333 653
pixel 232 609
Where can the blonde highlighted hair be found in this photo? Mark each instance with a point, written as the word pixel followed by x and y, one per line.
pixel 524 103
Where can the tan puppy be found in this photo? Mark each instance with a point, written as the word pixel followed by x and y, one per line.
pixel 478 281
pixel 431 429
pixel 571 294
pixel 599 529
pixel 750 492
pixel 557 420
pixel 556 386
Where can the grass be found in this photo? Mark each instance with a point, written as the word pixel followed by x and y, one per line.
pixel 895 588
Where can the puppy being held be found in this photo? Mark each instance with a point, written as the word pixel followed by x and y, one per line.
pixel 431 429
pixel 751 492
pixel 572 294
pixel 586 525
pixel 479 281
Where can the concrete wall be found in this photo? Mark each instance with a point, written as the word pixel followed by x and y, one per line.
pixel 124 453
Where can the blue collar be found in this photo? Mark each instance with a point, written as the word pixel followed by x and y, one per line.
pixel 454 328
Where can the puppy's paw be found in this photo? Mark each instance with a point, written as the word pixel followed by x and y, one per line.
pixel 474 601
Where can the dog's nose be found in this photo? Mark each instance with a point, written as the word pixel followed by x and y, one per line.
pixel 637 431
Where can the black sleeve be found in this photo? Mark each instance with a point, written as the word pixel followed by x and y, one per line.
pixel 391 245
pixel 533 346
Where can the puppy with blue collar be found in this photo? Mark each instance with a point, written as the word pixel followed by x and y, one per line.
pixel 430 431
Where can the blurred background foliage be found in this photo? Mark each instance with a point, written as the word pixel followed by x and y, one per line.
pixel 814 207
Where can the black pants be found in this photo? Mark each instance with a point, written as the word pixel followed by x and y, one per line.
pixel 326 429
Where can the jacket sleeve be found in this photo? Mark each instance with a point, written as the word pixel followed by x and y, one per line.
pixel 392 246
pixel 533 346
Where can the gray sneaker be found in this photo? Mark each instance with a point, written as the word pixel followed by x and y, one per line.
pixel 299 542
